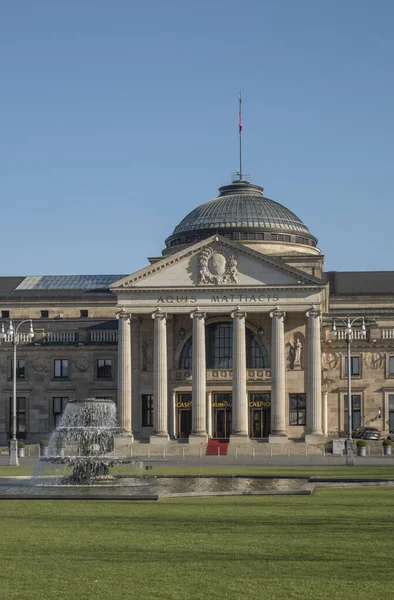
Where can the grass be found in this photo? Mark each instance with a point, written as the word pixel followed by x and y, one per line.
pixel 322 471
pixel 333 544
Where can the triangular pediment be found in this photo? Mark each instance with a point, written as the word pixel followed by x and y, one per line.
pixel 216 262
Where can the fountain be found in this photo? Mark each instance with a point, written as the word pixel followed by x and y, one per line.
pixel 85 441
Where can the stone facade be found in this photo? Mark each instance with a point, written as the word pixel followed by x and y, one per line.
pixel 130 340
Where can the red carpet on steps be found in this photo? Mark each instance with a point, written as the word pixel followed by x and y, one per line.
pixel 214 445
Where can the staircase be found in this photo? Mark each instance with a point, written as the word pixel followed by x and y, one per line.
pixel 216 448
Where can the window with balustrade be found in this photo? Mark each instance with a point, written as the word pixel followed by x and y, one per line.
pixel 219 349
pixel 61 368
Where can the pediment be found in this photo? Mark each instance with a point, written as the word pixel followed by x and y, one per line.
pixel 216 262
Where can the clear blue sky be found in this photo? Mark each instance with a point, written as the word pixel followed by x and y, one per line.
pixel 119 117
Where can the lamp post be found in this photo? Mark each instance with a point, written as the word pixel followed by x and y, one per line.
pixel 13 334
pixel 348 323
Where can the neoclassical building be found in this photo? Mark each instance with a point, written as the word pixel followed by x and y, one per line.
pixel 226 335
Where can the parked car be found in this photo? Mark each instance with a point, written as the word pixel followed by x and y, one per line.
pixel 366 433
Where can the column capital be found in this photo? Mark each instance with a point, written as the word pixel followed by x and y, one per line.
pixel 158 314
pixel 313 312
pixel 238 314
pixel 277 313
pixel 198 314
pixel 123 314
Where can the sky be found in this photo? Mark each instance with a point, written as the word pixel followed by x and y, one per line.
pixel 118 117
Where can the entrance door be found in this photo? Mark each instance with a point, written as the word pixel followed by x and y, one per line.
pixel 222 423
pixel 259 415
pixel 257 423
pixel 184 415
pixel 222 419
pixel 185 422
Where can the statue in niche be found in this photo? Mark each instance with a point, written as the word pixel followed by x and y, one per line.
pixel 147 355
pixel 296 350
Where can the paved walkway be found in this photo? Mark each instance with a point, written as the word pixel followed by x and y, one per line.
pixel 248 461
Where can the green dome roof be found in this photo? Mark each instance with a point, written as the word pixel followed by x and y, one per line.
pixel 241 207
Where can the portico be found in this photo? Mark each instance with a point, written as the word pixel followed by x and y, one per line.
pixel 198 321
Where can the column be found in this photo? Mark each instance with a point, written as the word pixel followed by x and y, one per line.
pixel 209 414
pixel 160 387
pixel 278 376
pixel 124 371
pixel 199 427
pixel 313 387
pixel 240 401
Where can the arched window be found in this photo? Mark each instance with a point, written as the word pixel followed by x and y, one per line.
pixel 185 361
pixel 219 349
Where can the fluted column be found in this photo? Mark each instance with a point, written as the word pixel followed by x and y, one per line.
pixel 313 391
pixel 124 370
pixel 240 401
pixel 160 387
pixel 278 377
pixel 199 426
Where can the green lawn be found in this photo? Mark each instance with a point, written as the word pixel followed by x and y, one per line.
pixel 334 544
pixel 353 472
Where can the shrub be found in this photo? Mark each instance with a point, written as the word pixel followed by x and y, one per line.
pixel 362 443
pixel 21 444
pixel 387 442
pixel 43 443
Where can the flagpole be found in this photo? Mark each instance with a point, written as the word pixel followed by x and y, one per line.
pixel 240 134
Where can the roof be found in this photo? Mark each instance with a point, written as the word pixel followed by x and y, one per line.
pixel 241 205
pixel 56 286
pixel 241 211
pixel 357 283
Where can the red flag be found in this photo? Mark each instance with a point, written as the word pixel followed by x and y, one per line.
pixel 240 122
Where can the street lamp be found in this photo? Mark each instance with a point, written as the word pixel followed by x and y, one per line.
pixel 348 323
pixel 14 336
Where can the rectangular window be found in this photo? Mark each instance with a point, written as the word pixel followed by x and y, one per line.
pixel 147 410
pixel 5 314
pixel 356 411
pixel 297 409
pixel 104 368
pixel 59 404
pixel 20 369
pixel 61 368
pixel 354 366
pixel 391 412
pixel 391 365
pixel 44 314
pixel 84 313
pixel 21 418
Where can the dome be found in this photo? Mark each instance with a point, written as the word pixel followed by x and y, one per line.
pixel 241 212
